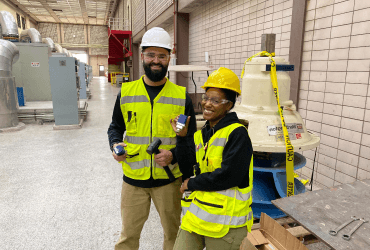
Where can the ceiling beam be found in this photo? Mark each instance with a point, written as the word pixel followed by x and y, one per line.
pixel 49 9
pixel 84 11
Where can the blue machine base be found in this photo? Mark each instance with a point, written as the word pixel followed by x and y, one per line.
pixel 269 183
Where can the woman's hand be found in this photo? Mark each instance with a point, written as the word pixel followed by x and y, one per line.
pixel 184 130
pixel 184 186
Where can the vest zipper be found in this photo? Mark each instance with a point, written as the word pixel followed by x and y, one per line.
pixel 151 137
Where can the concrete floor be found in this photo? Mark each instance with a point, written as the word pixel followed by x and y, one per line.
pixel 60 189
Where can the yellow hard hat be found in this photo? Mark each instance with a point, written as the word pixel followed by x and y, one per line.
pixel 223 78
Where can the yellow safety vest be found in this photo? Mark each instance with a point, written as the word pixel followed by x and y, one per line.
pixel 213 213
pixel 145 123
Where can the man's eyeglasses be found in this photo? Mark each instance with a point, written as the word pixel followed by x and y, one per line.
pixel 152 56
pixel 214 101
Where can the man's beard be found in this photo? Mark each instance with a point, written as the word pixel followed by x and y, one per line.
pixel 155 75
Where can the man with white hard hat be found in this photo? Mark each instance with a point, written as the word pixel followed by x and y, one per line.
pixel 143 111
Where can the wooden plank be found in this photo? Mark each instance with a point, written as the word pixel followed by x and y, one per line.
pixel 298 231
pixel 322 210
pixel 281 221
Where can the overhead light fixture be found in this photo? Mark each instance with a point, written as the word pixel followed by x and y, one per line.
pixel 56 10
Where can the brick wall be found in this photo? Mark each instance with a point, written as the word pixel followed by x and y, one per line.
pixel 155 7
pixel 230 31
pixel 334 92
pixel 138 16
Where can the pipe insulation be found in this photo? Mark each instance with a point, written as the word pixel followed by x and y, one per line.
pixel 30 34
pixel 58 48
pixel 50 43
pixel 8 25
pixel 9 54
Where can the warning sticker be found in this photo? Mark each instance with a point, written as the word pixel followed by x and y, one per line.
pixel 35 64
pixel 292 137
pixel 293 128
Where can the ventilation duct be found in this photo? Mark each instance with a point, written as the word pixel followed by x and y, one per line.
pixel 8 96
pixel 50 43
pixel 8 25
pixel 31 35
pixel 58 48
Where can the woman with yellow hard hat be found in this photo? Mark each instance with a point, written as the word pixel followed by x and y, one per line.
pixel 217 201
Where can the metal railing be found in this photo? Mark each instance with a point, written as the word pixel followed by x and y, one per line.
pixel 118 24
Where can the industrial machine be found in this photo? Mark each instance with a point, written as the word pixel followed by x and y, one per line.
pixel 8 95
pixel 65 86
pixel 89 76
pixel 31 71
pixel 82 78
pixel 259 110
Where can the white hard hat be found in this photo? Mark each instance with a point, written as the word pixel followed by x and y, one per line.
pixel 156 37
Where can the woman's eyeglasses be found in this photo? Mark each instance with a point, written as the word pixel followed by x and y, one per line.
pixel 214 101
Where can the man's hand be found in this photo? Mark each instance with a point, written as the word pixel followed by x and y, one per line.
pixel 184 186
pixel 121 157
pixel 182 132
pixel 164 158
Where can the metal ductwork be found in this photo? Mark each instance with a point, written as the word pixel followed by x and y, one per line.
pixel 9 54
pixel 58 48
pixel 8 25
pixel 65 51
pixel 50 43
pixel 31 35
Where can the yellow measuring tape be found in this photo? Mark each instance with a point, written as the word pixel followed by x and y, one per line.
pixel 288 144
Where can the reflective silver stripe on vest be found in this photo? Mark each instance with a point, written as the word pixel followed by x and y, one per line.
pixel 239 195
pixel 137 140
pixel 135 98
pixel 139 164
pixel 184 210
pixel 171 100
pixel 166 140
pixel 219 219
pixel 198 147
pixel 219 142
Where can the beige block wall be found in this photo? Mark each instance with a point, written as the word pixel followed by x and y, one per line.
pixel 230 31
pixel 138 16
pixel 155 7
pixel 334 96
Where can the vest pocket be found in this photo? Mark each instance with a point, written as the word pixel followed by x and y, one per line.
pixel 130 122
pixel 133 151
pixel 214 212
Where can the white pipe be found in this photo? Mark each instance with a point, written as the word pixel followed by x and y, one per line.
pixel 32 35
pixel 8 24
pixel 58 48
pixel 9 54
pixel 50 43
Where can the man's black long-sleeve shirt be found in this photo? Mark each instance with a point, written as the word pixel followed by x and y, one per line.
pixel 117 128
